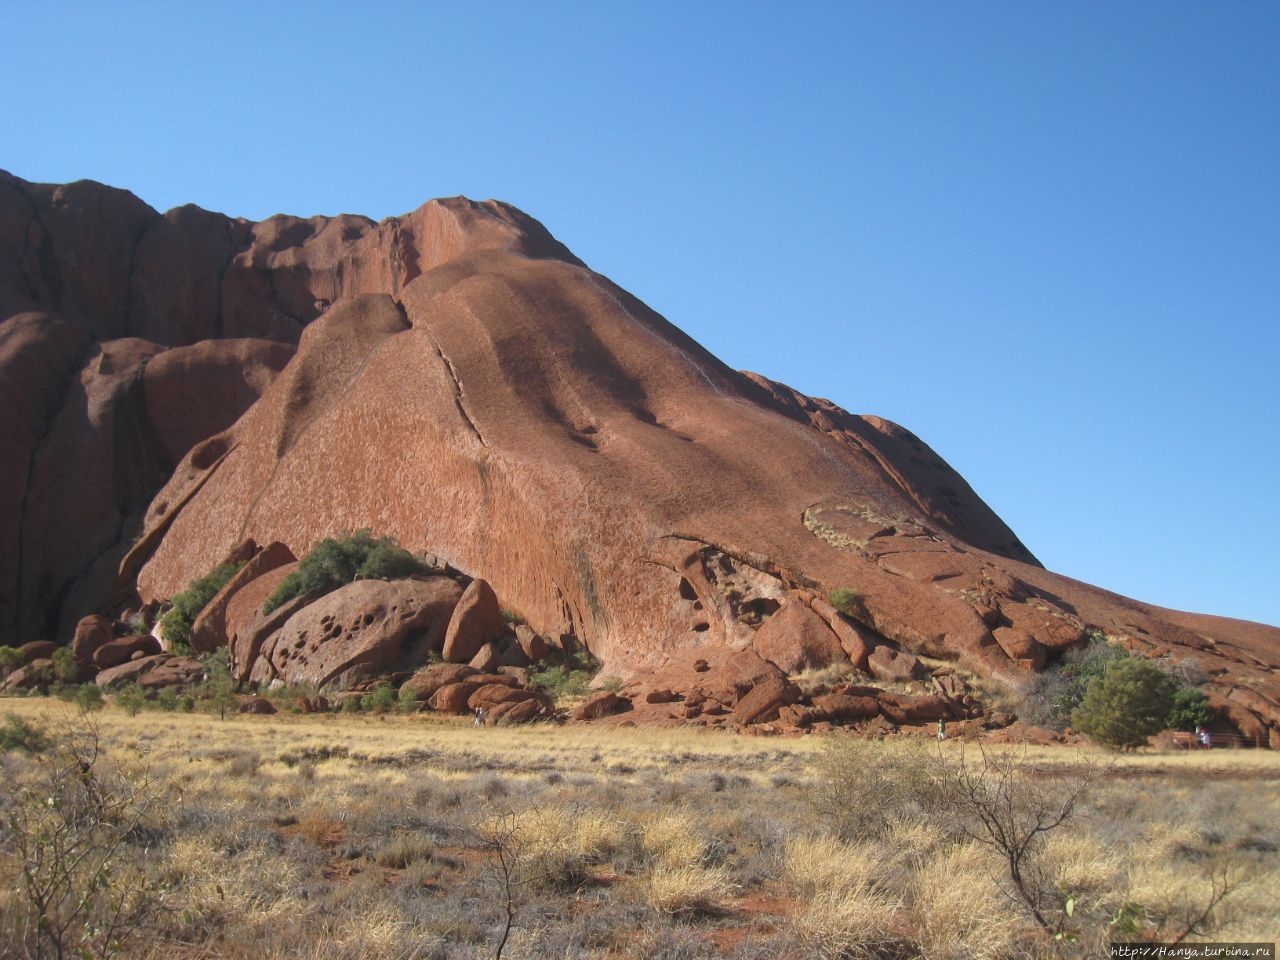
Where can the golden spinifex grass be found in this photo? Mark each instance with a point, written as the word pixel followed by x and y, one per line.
pixel 414 837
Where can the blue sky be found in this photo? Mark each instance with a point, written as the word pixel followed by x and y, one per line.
pixel 1045 237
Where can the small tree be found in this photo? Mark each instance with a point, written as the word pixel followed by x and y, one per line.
pixel 219 685
pixel 1131 700
pixel 1190 710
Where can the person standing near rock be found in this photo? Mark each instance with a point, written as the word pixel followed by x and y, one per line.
pixel 942 730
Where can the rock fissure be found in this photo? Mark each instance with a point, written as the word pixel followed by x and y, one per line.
pixel 46 431
pixel 127 311
pixel 458 394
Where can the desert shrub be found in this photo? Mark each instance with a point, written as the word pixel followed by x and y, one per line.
pixel 176 624
pixel 407 700
pixel 1130 701
pixel 72 824
pixel 19 734
pixel 845 600
pixel 1052 695
pixel 380 699
pixel 89 697
pixel 993 801
pixel 863 786
pixel 65 668
pixel 570 677
pixel 558 681
pixel 10 660
pixel 131 699
pixel 335 562
pixel 167 699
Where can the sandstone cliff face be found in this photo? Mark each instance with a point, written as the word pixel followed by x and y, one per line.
pixel 465 384
pixel 85 269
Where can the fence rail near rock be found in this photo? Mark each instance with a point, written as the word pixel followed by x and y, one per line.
pixel 1188 741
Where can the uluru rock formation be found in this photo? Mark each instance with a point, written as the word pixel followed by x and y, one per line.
pixel 181 384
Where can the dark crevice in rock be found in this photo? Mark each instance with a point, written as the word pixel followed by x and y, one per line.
pixel 64 388
pixel 128 289
pixel 142 467
pixel 458 392
pixel 219 317
pixel 50 276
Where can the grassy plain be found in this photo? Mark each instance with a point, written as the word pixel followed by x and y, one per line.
pixel 344 836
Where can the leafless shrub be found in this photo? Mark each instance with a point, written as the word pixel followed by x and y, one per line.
pixel 992 801
pixel 75 835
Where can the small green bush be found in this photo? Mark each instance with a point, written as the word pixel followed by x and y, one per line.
pixel 176 624
pixel 65 667
pixel 89 697
pixel 167 699
pixel 10 660
pixel 407 700
pixel 380 699
pixel 333 563
pixel 559 682
pixel 1130 701
pixel 19 734
pixel 131 699
pixel 845 600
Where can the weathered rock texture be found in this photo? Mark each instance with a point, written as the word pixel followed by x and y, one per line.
pixel 463 383
pixel 361 630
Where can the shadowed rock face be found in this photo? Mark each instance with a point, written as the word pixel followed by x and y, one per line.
pixel 465 384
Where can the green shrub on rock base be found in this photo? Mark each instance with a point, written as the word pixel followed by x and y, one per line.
pixel 333 563
pixel 176 624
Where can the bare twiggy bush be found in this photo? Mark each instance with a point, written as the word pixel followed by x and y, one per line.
pixel 1173 904
pixel 75 836
pixel 989 799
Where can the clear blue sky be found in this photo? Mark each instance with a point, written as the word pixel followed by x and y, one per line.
pixel 1043 236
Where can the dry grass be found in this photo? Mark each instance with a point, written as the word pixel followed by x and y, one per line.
pixel 351 836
